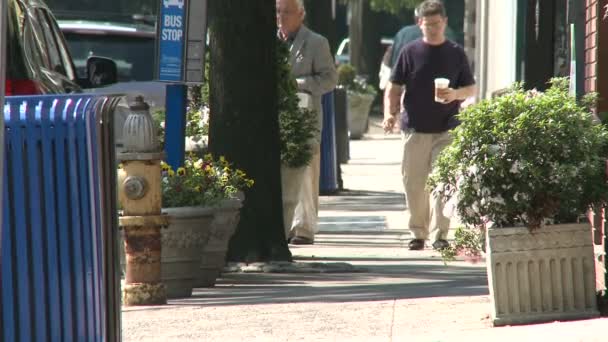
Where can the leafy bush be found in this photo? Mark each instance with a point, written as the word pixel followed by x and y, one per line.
pixel 468 243
pixel 525 158
pixel 297 126
pixel 348 79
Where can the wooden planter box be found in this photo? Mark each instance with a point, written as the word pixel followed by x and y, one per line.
pixel 542 276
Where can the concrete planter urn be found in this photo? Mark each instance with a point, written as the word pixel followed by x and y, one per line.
pixel 226 217
pixel 359 105
pixel 182 241
pixel 542 276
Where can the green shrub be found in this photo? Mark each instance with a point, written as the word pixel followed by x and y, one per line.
pixel 525 158
pixel 348 79
pixel 297 126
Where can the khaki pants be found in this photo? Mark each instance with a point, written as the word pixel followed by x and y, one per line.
pixel 301 198
pixel 420 150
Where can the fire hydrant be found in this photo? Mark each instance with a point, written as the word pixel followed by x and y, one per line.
pixel 139 193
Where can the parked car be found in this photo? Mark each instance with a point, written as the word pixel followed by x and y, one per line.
pixel 132 45
pixel 38 59
pixel 343 52
pixel 177 3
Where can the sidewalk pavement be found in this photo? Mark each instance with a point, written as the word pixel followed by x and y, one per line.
pixel 396 294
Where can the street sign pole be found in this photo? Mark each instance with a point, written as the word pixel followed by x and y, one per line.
pixel 175 124
pixel 3 17
pixel 182 31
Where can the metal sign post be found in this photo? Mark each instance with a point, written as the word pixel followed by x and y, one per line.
pixel 3 17
pixel 182 32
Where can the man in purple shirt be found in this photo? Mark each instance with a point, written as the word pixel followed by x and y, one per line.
pixel 425 122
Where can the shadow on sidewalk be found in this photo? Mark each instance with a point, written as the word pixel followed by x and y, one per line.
pixel 387 282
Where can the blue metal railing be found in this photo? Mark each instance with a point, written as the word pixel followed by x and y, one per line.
pixel 53 257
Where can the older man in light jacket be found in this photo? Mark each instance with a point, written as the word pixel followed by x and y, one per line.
pixel 313 67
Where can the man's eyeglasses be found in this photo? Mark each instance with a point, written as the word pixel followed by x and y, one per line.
pixel 433 24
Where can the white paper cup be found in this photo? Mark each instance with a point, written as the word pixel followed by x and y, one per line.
pixel 441 83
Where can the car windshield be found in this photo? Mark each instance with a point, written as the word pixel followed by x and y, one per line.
pixel 134 56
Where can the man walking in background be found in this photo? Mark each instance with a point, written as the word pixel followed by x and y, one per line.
pixel 410 33
pixel 428 116
pixel 313 67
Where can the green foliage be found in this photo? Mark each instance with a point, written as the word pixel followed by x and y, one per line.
pixel 297 126
pixel 201 182
pixel 525 158
pixel 348 79
pixel 392 6
pixel 468 243
pixel 197 123
pixel 159 122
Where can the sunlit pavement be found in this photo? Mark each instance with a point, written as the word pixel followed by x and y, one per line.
pixel 400 295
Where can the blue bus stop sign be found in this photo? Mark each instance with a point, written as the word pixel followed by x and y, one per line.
pixel 172 31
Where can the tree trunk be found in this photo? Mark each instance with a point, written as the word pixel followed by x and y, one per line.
pixel 365 48
pixel 319 19
pixel 244 120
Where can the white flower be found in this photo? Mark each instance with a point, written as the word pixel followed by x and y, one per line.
pixel 497 199
pixel 515 167
pixel 473 169
pixel 475 207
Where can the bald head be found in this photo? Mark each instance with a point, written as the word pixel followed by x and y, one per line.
pixel 290 15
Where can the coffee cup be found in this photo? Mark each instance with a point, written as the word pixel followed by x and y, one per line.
pixel 441 83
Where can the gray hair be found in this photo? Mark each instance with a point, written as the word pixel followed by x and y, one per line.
pixel 301 6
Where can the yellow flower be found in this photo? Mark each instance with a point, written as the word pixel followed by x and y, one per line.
pixel 171 173
pixel 181 171
pixel 164 166
pixel 198 164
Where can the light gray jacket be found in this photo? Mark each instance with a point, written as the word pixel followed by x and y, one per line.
pixel 313 67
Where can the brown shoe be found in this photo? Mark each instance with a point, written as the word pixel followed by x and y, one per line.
pixel 440 244
pixel 300 240
pixel 416 245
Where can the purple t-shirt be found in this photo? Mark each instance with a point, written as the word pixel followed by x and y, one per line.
pixel 417 67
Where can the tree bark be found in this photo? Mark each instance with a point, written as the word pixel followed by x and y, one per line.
pixel 319 19
pixel 244 120
pixel 365 47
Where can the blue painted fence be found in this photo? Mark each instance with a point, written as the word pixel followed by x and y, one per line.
pixel 54 264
